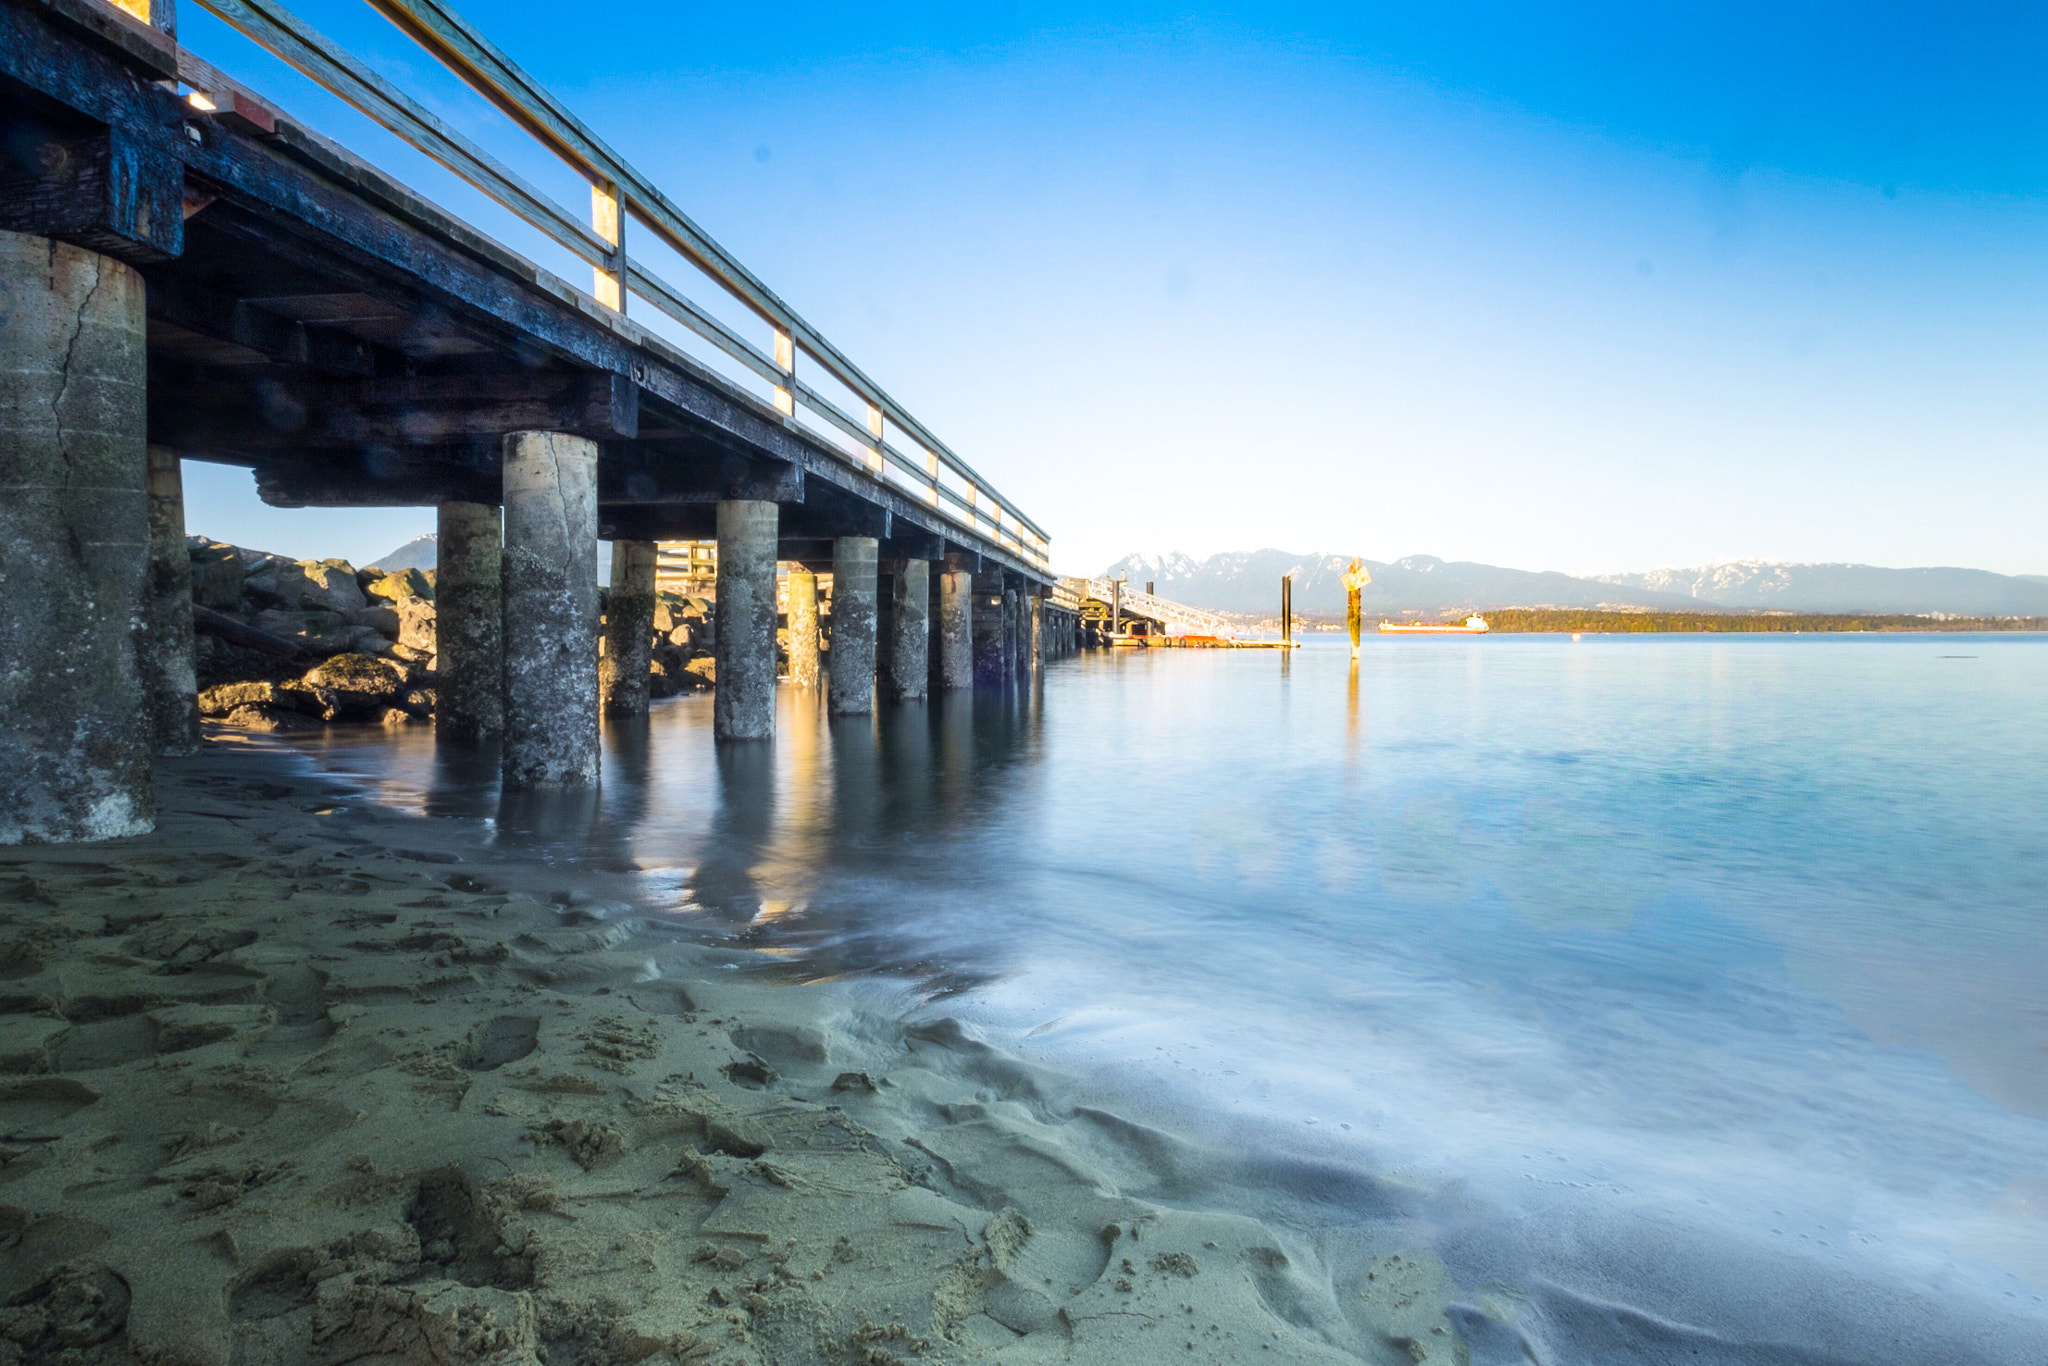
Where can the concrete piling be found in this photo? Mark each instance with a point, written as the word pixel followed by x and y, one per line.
pixel 469 661
pixel 164 645
pixel 852 685
pixel 956 630
pixel 623 672
pixel 1034 632
pixel 549 580
pixel 800 598
pixel 991 655
pixel 743 705
pixel 76 733
pixel 907 666
pixel 1013 633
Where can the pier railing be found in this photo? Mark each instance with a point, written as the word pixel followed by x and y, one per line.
pixel 1178 616
pixel 885 441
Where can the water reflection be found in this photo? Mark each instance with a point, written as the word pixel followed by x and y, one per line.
pixel 1743 922
pixel 725 885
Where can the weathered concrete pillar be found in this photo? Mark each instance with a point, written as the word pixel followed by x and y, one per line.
pixel 469 624
pixel 956 630
pixel 800 595
pixel 908 667
pixel 164 646
pixel 1034 631
pixel 550 612
pixel 622 674
pixel 75 731
pixel 852 690
pixel 991 654
pixel 743 708
pixel 1013 654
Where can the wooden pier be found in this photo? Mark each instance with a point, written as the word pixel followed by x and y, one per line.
pixel 193 273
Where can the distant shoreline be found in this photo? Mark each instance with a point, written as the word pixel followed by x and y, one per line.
pixel 1534 620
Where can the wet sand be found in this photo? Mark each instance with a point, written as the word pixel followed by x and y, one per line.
pixel 285 1082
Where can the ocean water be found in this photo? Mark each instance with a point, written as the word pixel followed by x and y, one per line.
pixel 1688 996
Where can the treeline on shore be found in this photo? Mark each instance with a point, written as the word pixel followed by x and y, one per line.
pixel 1538 619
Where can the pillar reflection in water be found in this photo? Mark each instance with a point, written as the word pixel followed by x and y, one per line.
pixel 725 884
pixel 464 780
pixel 1353 730
pixel 907 779
pixel 856 788
pixel 544 817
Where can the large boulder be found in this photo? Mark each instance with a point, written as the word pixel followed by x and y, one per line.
pixel 268 720
pixel 317 633
pixel 417 618
pixel 305 585
pixel 395 586
pixel 354 685
pixel 331 584
pixel 223 698
pixel 381 617
pixel 218 573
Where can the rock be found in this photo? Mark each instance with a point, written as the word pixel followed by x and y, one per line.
pixel 354 685
pixel 367 640
pixel 393 717
pixel 380 617
pixel 218 573
pixel 319 633
pixel 331 585
pixel 413 660
pixel 418 701
pixel 396 586
pixel 416 623
pixel 704 671
pixel 306 585
pixel 226 697
pixel 267 720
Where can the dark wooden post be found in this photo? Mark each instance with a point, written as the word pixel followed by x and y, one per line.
pixel 1286 609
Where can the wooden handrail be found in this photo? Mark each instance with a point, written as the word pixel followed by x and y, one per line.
pixel 617 192
pixel 495 76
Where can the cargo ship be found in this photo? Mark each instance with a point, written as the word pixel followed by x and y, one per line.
pixel 1475 625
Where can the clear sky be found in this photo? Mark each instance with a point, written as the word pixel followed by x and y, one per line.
pixel 1591 288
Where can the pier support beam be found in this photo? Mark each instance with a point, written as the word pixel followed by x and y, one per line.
pixel 1013 654
pixel 550 610
pixel 164 649
pixel 907 668
pixel 800 597
pixel 469 620
pixel 852 690
pixel 1034 631
pixel 956 630
pixel 75 734
pixel 991 658
pixel 622 675
pixel 743 705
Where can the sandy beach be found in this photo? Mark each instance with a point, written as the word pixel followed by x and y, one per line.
pixel 295 1080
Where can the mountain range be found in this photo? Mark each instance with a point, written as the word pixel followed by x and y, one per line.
pixel 421 552
pixel 1248 581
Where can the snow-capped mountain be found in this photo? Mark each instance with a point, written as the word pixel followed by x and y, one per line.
pixel 1248 581
pixel 1846 588
pixel 421 552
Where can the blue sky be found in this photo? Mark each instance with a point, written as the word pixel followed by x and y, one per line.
pixel 1587 288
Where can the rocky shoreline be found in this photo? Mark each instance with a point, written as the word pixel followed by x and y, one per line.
pixel 286 645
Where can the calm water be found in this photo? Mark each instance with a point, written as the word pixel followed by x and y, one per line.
pixel 1704 975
